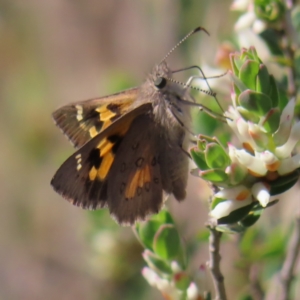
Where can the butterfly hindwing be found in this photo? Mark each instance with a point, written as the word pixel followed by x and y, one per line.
pixel 134 183
pixel 82 178
pixel 82 121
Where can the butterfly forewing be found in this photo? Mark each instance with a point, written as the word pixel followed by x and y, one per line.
pixel 81 121
pixel 82 178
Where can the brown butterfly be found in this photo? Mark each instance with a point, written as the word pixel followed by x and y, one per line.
pixel 132 147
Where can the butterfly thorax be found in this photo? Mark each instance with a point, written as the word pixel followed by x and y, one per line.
pixel 168 110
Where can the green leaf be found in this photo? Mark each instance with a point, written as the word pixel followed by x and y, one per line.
pixel 247 115
pixel 255 102
pixel 163 217
pixel 284 183
pixel 230 228
pixel 158 264
pixel 238 84
pixel 253 54
pixel 234 63
pixel 237 173
pixel 214 175
pixel 147 231
pixel 199 158
pixel 167 243
pixel 216 157
pixel 272 120
pixel 248 73
pixel 251 218
pixel 273 92
pixel 263 80
pixel 236 215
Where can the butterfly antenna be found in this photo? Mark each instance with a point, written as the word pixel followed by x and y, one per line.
pixel 201 77
pixel 202 107
pixel 199 69
pixel 180 42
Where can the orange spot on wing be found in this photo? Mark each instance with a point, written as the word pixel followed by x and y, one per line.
pixel 93 173
pixel 140 177
pixel 93 132
pixel 105 166
pixel 106 115
pixel 105 146
pixel 101 109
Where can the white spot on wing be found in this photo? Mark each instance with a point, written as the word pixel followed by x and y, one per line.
pixel 79 112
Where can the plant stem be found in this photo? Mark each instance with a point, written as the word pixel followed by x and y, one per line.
pixel 214 263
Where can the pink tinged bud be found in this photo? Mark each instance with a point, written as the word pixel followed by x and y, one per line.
pixel 150 276
pixel 289 164
pixel 175 267
pixel 252 163
pixel 192 292
pixel 260 191
pixel 285 150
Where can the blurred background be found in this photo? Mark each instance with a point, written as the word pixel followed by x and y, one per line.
pixel 56 52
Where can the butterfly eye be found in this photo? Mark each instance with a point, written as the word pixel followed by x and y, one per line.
pixel 160 82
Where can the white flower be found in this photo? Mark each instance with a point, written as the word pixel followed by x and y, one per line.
pixel 286 149
pixel 192 292
pixel 237 197
pixel 261 192
pixel 252 163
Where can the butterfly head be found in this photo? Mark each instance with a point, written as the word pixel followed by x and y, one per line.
pixel 160 74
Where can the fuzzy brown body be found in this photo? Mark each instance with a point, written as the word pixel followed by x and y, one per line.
pixel 132 148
